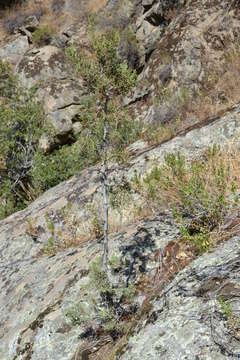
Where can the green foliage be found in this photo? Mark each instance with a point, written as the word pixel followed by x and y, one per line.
pixel 50 224
pixel 104 70
pixel 43 35
pixel 226 308
pixel 23 167
pixel 87 68
pixel 49 248
pixel 20 129
pixel 232 319
pixel 197 191
pixel 193 194
pixel 106 316
pixel 151 182
pixel 119 195
pixel 103 298
pixel 201 239
pixel 96 221
pixel 78 315
pixel 114 262
pixel 8 84
pixel 97 278
pixel 60 165
pixel 130 292
pixel 7 205
pixel 49 170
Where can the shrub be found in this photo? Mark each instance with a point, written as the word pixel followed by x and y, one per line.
pixel 78 314
pixel 233 320
pixel 97 278
pixel 43 35
pixel 109 78
pixel 103 69
pixel 20 128
pixel 196 192
pixel 8 83
pixel 25 168
pixel 50 170
pixel 107 300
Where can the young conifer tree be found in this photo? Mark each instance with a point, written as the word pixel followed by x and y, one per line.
pixel 108 78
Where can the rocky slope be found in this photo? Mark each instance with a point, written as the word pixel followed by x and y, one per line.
pixel 187 306
pixel 36 290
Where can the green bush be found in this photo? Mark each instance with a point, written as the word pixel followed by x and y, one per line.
pixel 25 170
pixel 196 192
pixel 43 35
pixel 198 189
pixel 104 299
pixel 49 170
pixel 8 83
pixel 78 314
pixel 97 278
pixel 105 69
pixel 20 129
pixel 7 205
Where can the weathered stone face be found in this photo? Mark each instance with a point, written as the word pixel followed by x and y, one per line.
pixel 42 65
pixel 36 290
pixel 191 38
pixel 174 45
pixel 59 93
pixel 188 321
pixel 14 51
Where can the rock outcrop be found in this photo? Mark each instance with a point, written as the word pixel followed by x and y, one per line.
pixel 187 321
pixel 179 50
pixel 37 290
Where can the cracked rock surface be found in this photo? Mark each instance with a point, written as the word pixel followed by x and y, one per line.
pixel 36 290
pixel 189 322
pixel 176 46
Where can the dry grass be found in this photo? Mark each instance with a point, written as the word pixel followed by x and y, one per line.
pixel 75 233
pixel 226 160
pixel 94 6
pixel 12 18
pixel 220 91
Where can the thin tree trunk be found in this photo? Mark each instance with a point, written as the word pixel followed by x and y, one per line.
pixel 105 216
pixel 105 195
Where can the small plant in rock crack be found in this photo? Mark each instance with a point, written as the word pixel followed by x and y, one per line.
pixel 96 229
pixel 232 319
pixel 43 35
pixel 109 305
pixel 8 82
pixel 50 247
pixel 201 238
pixel 120 196
pixel 226 307
pixel 79 315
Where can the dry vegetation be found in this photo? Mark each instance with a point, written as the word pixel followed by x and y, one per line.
pixel 218 93
pixel 205 191
pixel 47 12
pixel 221 169
pixel 95 6
pixel 220 89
